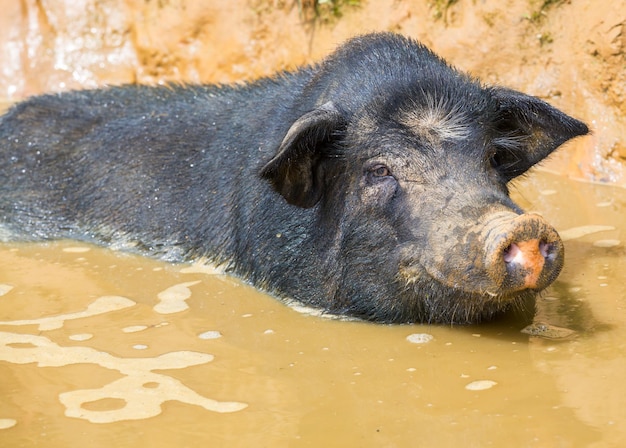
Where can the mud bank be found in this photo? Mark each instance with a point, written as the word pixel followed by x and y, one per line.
pixel 571 53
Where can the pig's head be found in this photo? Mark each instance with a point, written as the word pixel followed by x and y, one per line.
pixel 408 170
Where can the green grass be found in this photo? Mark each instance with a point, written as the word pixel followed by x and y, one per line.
pixel 324 11
pixel 441 7
pixel 540 8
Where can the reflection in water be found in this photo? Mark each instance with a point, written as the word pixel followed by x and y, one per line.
pixel 127 342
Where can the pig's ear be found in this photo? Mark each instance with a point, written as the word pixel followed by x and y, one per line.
pixel 294 170
pixel 527 130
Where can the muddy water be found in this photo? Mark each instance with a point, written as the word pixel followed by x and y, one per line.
pixel 110 349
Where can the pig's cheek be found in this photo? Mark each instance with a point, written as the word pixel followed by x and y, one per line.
pixel 379 193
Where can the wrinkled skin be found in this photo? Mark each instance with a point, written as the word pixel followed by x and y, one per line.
pixel 372 184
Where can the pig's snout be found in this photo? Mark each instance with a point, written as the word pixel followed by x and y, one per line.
pixel 522 252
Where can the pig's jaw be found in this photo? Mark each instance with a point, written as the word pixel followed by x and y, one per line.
pixel 434 301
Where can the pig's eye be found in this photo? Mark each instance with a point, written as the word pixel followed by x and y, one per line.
pixel 380 171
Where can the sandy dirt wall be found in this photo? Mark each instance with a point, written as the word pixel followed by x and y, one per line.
pixel 571 53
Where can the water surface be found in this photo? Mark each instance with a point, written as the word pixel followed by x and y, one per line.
pixel 111 349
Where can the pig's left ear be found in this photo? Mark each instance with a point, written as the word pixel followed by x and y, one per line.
pixel 527 130
pixel 294 171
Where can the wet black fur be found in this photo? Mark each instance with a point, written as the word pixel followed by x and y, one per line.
pixel 182 172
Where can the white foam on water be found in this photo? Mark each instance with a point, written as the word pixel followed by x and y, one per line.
pixel 480 385
pixel 212 334
pixel 101 305
pixel 203 267
pixel 419 338
pixel 76 249
pixel 134 328
pixel 172 300
pixel 81 337
pixel 140 389
pixel 579 232
pixel 607 243
pixel 6 423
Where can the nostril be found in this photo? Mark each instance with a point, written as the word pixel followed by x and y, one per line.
pixel 514 253
pixel 545 249
pixel 525 261
pixel 510 253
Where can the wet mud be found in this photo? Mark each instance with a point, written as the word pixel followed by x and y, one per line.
pixel 120 350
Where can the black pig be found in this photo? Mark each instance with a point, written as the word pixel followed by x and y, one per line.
pixel 373 184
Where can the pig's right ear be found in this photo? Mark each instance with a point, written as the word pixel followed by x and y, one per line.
pixel 294 170
pixel 527 130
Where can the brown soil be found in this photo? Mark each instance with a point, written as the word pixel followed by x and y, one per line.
pixel 571 53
